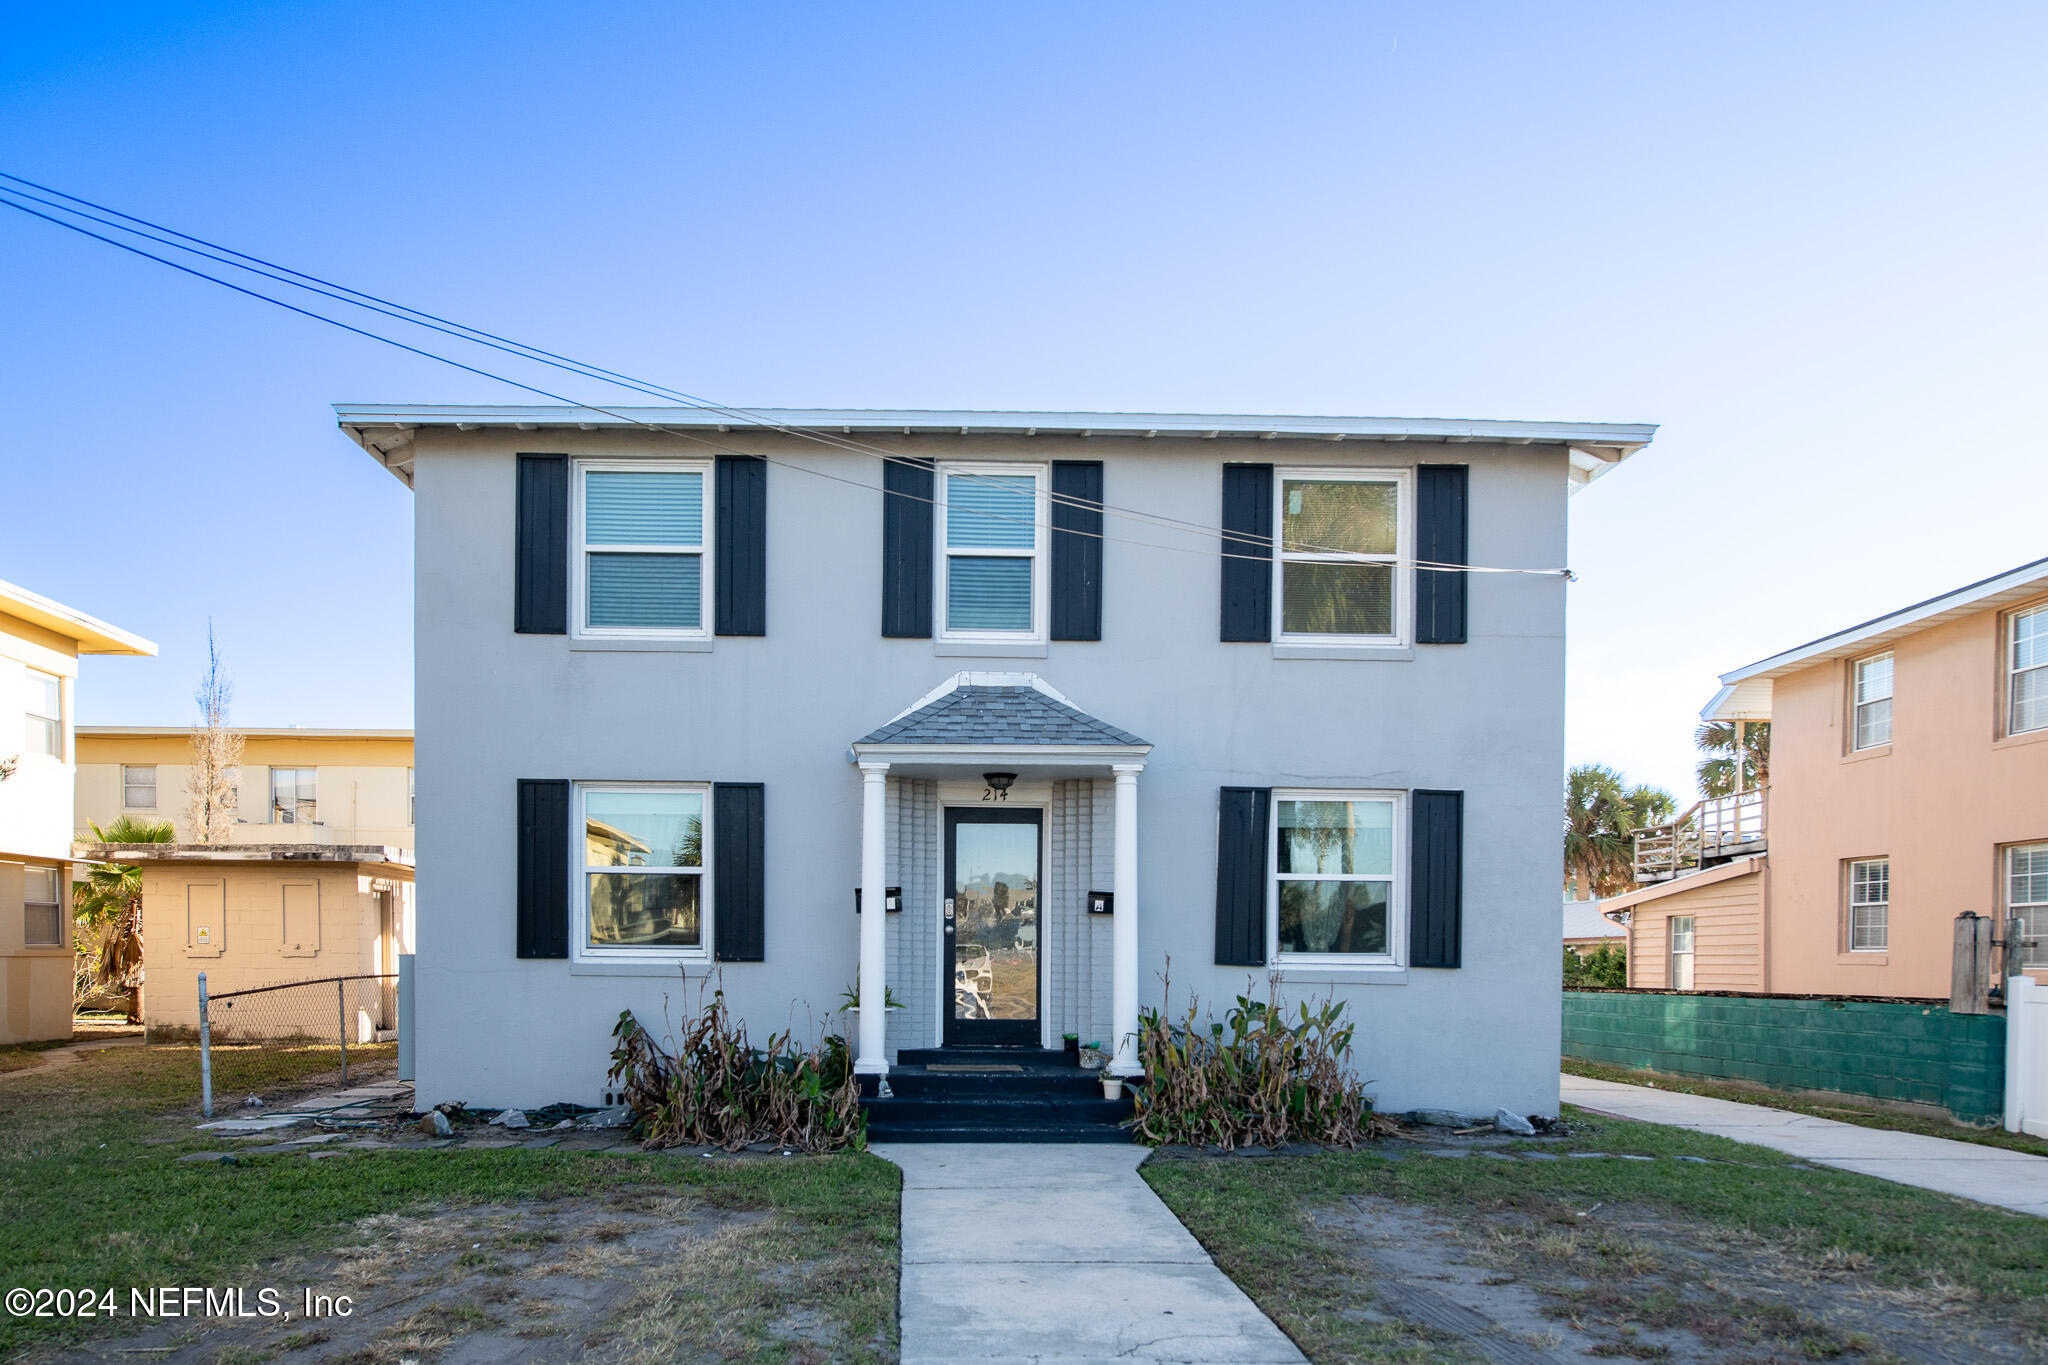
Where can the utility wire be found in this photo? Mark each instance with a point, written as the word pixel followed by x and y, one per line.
pixel 463 332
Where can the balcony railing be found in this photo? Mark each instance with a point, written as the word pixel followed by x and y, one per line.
pixel 1713 831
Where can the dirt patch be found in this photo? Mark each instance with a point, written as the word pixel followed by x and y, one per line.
pixel 618 1278
pixel 1548 1282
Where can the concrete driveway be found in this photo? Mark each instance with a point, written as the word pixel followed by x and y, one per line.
pixel 1969 1170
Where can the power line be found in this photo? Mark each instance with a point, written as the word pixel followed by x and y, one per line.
pixel 463 332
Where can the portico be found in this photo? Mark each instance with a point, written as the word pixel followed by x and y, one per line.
pixel 1003 805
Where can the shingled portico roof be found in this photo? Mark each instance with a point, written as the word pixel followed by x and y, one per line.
pixel 998 710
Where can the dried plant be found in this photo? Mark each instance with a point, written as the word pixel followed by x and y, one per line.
pixel 717 1089
pixel 216 756
pixel 1259 1077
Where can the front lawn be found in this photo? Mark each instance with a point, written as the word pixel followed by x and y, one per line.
pixel 656 1257
pixel 1711 1250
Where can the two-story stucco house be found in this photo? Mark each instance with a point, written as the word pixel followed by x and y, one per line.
pixel 40 643
pixel 1011 713
pixel 1908 786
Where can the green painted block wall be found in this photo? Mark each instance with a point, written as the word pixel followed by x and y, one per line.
pixel 1886 1050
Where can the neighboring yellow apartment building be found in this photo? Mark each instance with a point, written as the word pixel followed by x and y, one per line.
pixel 1908 784
pixel 40 642
pixel 299 786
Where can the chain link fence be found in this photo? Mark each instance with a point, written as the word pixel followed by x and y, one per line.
pixel 293 1032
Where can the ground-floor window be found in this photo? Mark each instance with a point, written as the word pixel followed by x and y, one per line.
pixel 1870 904
pixel 1336 877
pixel 2026 898
pixel 1681 952
pixel 42 908
pixel 643 857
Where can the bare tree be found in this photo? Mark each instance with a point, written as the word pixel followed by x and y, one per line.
pixel 216 755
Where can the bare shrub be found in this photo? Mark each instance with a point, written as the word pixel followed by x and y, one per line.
pixel 1259 1077
pixel 718 1090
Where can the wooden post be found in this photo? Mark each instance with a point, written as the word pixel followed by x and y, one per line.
pixel 1969 987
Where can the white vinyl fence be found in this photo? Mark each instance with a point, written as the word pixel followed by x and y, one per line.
pixel 2026 1056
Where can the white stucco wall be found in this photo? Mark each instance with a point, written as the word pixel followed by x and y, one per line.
pixel 494 706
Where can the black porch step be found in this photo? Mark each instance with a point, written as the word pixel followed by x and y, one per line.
pixel 973 1056
pixel 998 1110
pixel 968 1132
pixel 1036 1080
pixel 991 1095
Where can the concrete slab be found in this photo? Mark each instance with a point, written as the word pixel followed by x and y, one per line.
pixel 1968 1170
pixel 1045 1253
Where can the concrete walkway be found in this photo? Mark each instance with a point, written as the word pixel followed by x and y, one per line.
pixel 1969 1170
pixel 1060 1253
pixel 69 1054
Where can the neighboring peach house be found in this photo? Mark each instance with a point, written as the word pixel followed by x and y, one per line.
pixel 1908 785
pixel 264 914
pixel 40 642
pixel 301 786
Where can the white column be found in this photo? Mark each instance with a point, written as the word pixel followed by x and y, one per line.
pixel 872 1058
pixel 1124 968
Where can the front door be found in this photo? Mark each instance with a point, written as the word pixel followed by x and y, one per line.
pixel 990 961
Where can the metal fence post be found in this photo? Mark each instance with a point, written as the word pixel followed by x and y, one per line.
pixel 205 1054
pixel 341 1018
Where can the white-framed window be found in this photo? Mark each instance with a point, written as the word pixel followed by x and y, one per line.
pixel 44 714
pixel 42 902
pixel 138 786
pixel 1339 894
pixel 643 871
pixel 1343 537
pixel 1682 954
pixel 641 567
pixel 992 565
pixel 2027 672
pixel 1870 705
pixel 2026 896
pixel 294 796
pixel 1870 905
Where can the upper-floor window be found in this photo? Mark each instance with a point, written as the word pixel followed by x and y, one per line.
pixel 1343 535
pixel 643 550
pixel 1870 905
pixel 992 565
pixel 45 714
pixel 2026 897
pixel 138 786
pixel 294 796
pixel 42 908
pixel 1871 705
pixel 1337 879
pixel 642 863
pixel 2028 671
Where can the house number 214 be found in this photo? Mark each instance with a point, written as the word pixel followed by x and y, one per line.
pixel 993 794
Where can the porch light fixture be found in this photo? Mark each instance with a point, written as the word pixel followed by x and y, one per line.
pixel 999 781
pixel 892 900
pixel 1101 902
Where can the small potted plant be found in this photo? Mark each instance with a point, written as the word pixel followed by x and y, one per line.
pixel 1112 1086
pixel 1072 1043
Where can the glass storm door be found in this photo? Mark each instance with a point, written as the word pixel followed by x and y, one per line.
pixel 990 959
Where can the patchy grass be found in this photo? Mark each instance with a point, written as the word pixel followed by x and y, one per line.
pixel 1841 1112
pixel 1268 1223
pixel 97 1197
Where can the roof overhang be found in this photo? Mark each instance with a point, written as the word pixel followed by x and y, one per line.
pixel 246 732
pixel 1693 881
pixel 379 855
pixel 93 636
pixel 387 430
pixel 1746 693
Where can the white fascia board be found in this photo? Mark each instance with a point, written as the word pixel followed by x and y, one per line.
pixel 2011 586
pixel 89 633
pixel 1747 700
pixel 1021 754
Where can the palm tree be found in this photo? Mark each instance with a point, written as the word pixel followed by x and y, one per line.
pixel 1602 812
pixel 107 903
pixel 1719 773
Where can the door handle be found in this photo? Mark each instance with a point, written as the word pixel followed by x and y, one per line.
pixel 949 914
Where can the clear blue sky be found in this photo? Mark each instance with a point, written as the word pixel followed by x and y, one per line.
pixel 1807 239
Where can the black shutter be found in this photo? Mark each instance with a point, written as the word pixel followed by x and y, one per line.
pixel 738 871
pixel 1248 552
pixel 543 824
pixel 907 549
pixel 1436 875
pixel 1077 550
pixel 1440 536
pixel 1241 876
pixel 540 565
pixel 742 545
